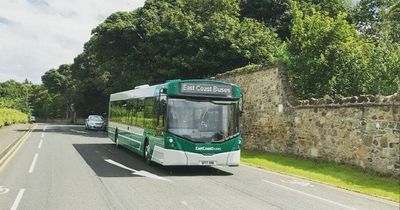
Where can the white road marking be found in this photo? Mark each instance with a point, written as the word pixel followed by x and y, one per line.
pixel 17 199
pixel 298 182
pixel 42 134
pixel 119 165
pixel 310 195
pixel 327 185
pixel 40 143
pixel 33 163
pixel 44 128
pixel 140 173
pixel 76 131
pixel 187 205
pixel 4 190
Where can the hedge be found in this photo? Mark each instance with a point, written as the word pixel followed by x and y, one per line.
pixel 11 116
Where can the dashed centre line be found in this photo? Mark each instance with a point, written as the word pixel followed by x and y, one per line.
pixel 31 169
pixel 33 163
pixel 18 199
pixel 40 143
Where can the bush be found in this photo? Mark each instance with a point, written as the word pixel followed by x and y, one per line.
pixel 11 116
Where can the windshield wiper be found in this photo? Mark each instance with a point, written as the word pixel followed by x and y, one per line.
pixel 224 102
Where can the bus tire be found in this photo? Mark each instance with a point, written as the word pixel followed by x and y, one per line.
pixel 116 138
pixel 146 151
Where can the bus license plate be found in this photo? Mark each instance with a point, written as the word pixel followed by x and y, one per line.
pixel 207 163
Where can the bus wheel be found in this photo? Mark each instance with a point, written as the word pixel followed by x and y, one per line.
pixel 146 152
pixel 116 138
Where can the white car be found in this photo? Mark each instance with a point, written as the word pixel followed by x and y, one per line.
pixel 95 122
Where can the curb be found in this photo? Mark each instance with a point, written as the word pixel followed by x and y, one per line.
pixel 11 147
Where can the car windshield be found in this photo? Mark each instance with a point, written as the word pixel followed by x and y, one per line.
pixel 95 118
pixel 203 121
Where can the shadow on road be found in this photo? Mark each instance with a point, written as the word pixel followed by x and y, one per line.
pixel 96 155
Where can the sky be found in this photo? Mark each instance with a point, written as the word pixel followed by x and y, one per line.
pixel 38 35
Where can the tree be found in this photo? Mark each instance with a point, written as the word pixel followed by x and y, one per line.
pixel 59 81
pixel 46 105
pixel 369 16
pixel 393 21
pixel 326 56
pixel 384 65
pixel 278 14
pixel 15 95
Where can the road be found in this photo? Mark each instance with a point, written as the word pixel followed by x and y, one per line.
pixel 66 167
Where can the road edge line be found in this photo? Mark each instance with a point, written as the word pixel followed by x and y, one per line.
pixel 328 185
pixel 7 153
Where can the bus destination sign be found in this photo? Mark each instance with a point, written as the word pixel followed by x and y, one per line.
pixel 206 89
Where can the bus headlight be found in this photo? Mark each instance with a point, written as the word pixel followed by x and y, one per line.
pixel 171 140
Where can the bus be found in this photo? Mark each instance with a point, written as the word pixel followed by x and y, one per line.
pixel 180 122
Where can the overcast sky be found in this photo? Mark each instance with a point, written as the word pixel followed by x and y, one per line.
pixel 37 35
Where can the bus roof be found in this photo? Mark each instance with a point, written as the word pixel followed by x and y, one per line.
pixel 142 91
pixel 195 87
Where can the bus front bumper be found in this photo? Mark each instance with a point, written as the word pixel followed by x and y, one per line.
pixel 168 157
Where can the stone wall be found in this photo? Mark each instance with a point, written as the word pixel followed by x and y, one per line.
pixel 363 131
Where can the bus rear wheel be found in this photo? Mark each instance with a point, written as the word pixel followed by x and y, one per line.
pixel 116 139
pixel 146 152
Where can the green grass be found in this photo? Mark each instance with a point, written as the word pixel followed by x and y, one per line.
pixel 342 176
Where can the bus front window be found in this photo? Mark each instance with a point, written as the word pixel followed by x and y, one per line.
pixel 203 120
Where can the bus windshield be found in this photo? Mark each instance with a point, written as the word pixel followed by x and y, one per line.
pixel 203 120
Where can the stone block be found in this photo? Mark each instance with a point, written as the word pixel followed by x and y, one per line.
pixel 367 140
pixel 314 152
pixel 384 142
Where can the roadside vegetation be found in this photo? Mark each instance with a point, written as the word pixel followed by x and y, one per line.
pixel 14 102
pixel 342 176
pixel 11 116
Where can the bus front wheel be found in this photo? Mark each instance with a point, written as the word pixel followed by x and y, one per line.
pixel 146 152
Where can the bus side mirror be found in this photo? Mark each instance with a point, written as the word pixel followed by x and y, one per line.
pixel 241 106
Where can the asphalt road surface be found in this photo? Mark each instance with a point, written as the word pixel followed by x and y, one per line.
pixel 66 167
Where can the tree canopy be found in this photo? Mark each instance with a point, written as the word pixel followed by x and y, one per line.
pixel 328 47
pixel 167 40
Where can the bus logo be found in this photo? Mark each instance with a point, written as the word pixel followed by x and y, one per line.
pixel 208 89
pixel 203 148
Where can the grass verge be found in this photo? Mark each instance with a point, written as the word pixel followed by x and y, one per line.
pixel 342 176
pixel 11 116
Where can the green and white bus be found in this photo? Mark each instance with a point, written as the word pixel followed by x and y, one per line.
pixel 180 122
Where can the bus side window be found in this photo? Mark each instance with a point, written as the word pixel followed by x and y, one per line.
pixel 125 114
pixel 140 112
pixel 149 114
pixel 111 112
pixel 118 111
pixel 133 103
pixel 129 109
pixel 161 111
